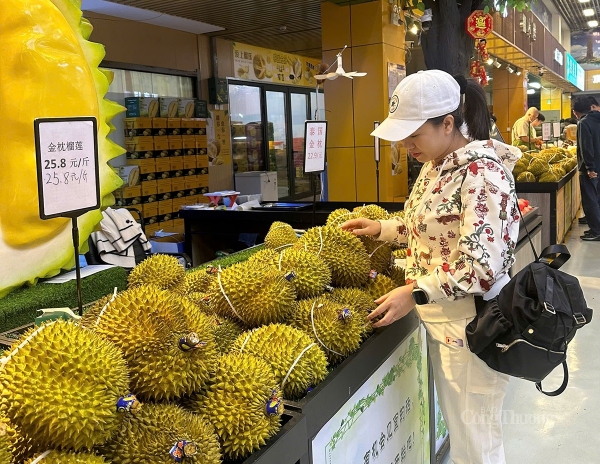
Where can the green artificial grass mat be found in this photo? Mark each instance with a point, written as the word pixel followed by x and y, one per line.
pixel 233 258
pixel 20 307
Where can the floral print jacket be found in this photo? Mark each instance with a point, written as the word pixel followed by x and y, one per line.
pixel 460 223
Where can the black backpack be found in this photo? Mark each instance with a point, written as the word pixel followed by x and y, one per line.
pixel 525 330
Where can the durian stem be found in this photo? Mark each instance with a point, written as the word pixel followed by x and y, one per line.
pixel 294 364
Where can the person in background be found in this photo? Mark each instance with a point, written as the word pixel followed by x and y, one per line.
pixel 523 130
pixel 593 104
pixel 588 160
pixel 461 224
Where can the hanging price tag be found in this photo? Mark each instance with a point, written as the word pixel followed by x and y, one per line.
pixel 556 129
pixel 546 131
pixel 315 141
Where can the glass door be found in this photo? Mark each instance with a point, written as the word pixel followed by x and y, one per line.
pixel 246 128
pixel 299 112
pixel 278 139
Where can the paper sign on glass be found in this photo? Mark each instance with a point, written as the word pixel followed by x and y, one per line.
pixel 546 131
pixel 556 129
pixel 315 141
pixel 67 166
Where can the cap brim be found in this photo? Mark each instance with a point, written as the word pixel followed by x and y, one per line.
pixel 397 129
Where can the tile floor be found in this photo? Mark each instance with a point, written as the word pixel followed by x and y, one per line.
pixel 563 429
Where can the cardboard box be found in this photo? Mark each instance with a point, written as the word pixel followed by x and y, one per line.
pixel 175 214
pixel 148 177
pixel 202 180
pixel 159 127
pixel 187 108
pixel 178 202
pixel 164 196
pixel 139 148
pixel 173 126
pixel 175 146
pixel 180 197
pixel 168 107
pixel 161 146
pixel 189 162
pixel 147 166
pixel 151 229
pixel 238 130
pixel 192 183
pixel 130 175
pixel 164 186
pixel 176 163
pixel 176 174
pixel 178 226
pixel 163 175
pixel 189 145
pixel 188 126
pixel 137 127
pixel 141 107
pixel 190 172
pixel 153 198
pixel 201 141
pixel 129 192
pixel 169 244
pixel 165 207
pixel 202 161
pixel 165 222
pixel 150 209
pixel 193 199
pixel 163 164
pixel 202 198
pixel 177 184
pixel 202 171
pixel 149 187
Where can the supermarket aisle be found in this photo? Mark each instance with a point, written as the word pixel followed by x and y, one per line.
pixel 540 429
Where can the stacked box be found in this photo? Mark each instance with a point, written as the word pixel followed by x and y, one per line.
pixel 136 127
pixel 139 147
pixel 168 107
pixel 142 107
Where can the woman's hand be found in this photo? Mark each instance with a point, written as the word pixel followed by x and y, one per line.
pixel 362 226
pixel 396 304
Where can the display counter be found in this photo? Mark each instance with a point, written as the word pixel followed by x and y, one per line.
pixel 558 203
pixel 533 223
pixel 207 231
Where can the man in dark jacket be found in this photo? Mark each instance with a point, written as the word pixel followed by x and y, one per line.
pixel 588 160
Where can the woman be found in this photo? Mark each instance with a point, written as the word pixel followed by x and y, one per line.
pixel 461 226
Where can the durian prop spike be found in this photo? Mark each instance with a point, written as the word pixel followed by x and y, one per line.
pixel 296 361
pixel 226 297
pixel 5 359
pixel 312 320
pixel 41 457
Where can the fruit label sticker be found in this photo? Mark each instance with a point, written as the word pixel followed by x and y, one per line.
pixel 67 166
pixel 315 141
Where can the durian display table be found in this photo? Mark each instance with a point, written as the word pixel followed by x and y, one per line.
pixel 207 231
pixel 558 204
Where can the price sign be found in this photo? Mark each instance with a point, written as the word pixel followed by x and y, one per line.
pixel 315 140
pixel 556 129
pixel 67 166
pixel 546 131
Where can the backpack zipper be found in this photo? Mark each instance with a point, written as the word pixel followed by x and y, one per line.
pixel 520 340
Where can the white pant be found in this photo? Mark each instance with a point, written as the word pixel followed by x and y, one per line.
pixel 470 395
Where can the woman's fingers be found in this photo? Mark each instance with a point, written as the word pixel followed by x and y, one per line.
pixel 386 320
pixel 378 311
pixel 381 299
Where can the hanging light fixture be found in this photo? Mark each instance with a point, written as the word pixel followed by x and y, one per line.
pixel 509 69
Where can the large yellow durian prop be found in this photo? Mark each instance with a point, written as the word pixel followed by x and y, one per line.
pixel 243 403
pixel 61 384
pixel 297 361
pixel 167 341
pixel 343 252
pixel 158 432
pixel 48 68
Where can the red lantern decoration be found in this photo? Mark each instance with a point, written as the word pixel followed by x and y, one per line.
pixel 483 80
pixel 482 50
pixel 474 70
pixel 479 24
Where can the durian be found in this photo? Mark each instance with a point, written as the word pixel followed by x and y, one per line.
pixel 398 275
pixel 196 281
pixel 380 253
pixel 67 457
pixel 310 275
pixel 357 300
pixel 334 326
pixel 156 329
pixel 6 456
pixel 90 316
pixel 400 254
pixel 243 403
pixel 537 167
pixel 226 332
pixel 342 251
pixel 252 293
pixel 281 346
pixel 264 256
pixel 526 177
pixel 156 431
pixel 61 384
pixel 338 216
pixel 373 212
pixel 280 235
pixel 549 177
pixel 162 271
pixel 520 166
pixel 558 170
pixel 379 286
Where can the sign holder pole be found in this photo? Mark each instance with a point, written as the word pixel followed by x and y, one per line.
pixel 377 158
pixel 77 265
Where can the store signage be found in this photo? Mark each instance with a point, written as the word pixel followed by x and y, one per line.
pixel 264 65
pixel 596 79
pixel 546 131
pixel 315 141
pixel 67 166
pixel 479 24
pixel 387 419
pixel 558 56
pixel 574 73
pixel 556 129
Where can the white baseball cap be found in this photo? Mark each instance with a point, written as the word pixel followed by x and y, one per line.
pixel 419 97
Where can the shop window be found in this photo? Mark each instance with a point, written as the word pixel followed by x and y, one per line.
pixel 146 84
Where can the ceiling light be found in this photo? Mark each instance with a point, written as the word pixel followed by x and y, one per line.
pixel 535 85
pixel 518 73
pixel 497 63
pixel 414 29
pixel 530 91
pixel 593 23
pixel 509 69
pixel 490 60
pixel 588 12
pixel 584 1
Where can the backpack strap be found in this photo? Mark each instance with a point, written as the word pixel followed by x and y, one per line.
pixel 560 389
pixel 554 256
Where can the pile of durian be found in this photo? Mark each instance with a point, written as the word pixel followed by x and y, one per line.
pixel 548 165
pixel 194 366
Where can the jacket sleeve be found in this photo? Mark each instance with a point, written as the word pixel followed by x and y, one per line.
pixel 487 235
pixel 585 141
pixel 393 230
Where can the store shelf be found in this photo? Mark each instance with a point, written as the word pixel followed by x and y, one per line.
pixel 322 403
